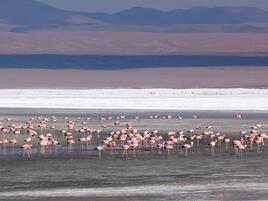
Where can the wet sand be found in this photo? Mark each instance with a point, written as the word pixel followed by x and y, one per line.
pixel 222 77
pixel 79 174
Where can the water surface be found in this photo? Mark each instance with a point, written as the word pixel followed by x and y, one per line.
pixel 79 174
pixel 127 62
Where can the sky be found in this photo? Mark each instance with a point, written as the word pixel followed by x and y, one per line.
pixel 117 5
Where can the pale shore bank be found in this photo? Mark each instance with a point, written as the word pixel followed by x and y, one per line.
pixel 190 77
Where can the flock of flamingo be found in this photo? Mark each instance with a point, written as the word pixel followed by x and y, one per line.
pixel 121 135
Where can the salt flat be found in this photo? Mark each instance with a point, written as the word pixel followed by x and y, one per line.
pixel 155 98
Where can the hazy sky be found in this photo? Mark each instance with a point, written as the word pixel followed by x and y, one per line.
pixel 116 5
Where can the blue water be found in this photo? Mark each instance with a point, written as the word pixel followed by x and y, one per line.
pixel 126 62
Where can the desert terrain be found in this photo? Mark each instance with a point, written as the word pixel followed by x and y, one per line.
pixel 195 77
pixel 132 43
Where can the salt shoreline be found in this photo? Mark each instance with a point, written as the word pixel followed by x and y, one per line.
pixel 157 99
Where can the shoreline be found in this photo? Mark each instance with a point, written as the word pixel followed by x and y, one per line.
pixel 138 99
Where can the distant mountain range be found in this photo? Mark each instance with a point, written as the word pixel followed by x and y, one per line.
pixel 196 15
pixel 29 15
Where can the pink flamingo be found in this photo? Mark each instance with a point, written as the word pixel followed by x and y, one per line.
pixel 26 150
pixel 187 147
pixel 212 145
pixel 100 148
pixel 169 148
pixel 227 141
pixel 125 149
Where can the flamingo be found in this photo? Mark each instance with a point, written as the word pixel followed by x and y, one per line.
pixel 212 145
pixel 187 147
pixel 26 150
pixel 169 148
pixel 238 116
pixel 125 149
pixel 227 141
pixel 100 148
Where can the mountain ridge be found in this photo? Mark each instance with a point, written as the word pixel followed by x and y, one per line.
pixel 34 15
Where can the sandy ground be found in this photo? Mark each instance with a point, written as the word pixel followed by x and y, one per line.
pixel 131 43
pixel 136 78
